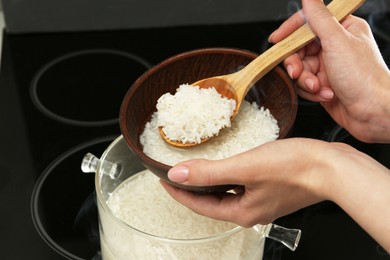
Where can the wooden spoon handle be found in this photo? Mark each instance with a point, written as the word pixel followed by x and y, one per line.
pixel 295 41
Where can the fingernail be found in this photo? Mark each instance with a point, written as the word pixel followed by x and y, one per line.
pixel 309 83
pixel 290 70
pixel 178 173
pixel 326 94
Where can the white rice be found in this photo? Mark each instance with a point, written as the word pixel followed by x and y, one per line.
pixel 193 113
pixel 142 203
pixel 252 127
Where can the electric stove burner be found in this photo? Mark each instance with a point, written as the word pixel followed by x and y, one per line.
pixel 63 204
pixel 78 87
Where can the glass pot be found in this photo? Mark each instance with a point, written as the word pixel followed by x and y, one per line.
pixel 122 241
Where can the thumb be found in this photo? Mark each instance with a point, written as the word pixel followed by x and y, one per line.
pixel 208 172
pixel 320 19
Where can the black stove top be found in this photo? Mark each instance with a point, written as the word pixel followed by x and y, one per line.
pixel 59 99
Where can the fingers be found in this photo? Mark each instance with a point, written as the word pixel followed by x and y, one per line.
pixel 287 27
pixel 308 82
pixel 314 87
pixel 219 172
pixel 217 207
pixel 304 67
pixel 323 95
pixel 304 70
pixel 294 66
pixel 316 14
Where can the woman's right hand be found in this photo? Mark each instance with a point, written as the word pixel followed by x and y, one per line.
pixel 283 176
pixel 343 70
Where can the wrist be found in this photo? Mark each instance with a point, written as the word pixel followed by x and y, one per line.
pixel 332 168
pixel 378 128
pixel 322 168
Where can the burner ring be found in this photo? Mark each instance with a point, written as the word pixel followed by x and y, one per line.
pixel 79 73
pixel 338 134
pixel 60 203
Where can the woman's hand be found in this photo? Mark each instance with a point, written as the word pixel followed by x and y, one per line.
pixel 283 176
pixel 343 70
pixel 278 178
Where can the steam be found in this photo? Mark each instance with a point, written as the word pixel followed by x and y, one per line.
pixel 293 7
pixel 374 6
pixel 376 10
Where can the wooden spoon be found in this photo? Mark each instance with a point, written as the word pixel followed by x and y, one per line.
pixel 236 85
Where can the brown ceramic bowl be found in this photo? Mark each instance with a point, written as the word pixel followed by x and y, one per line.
pixel 274 91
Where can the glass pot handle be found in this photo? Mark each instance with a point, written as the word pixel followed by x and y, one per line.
pixel 287 236
pixel 90 164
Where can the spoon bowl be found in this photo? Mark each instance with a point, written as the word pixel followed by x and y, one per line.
pixel 224 88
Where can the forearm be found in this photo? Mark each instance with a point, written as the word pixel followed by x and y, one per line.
pixel 380 122
pixel 361 187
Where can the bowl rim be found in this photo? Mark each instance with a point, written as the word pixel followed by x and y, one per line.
pixel 190 53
